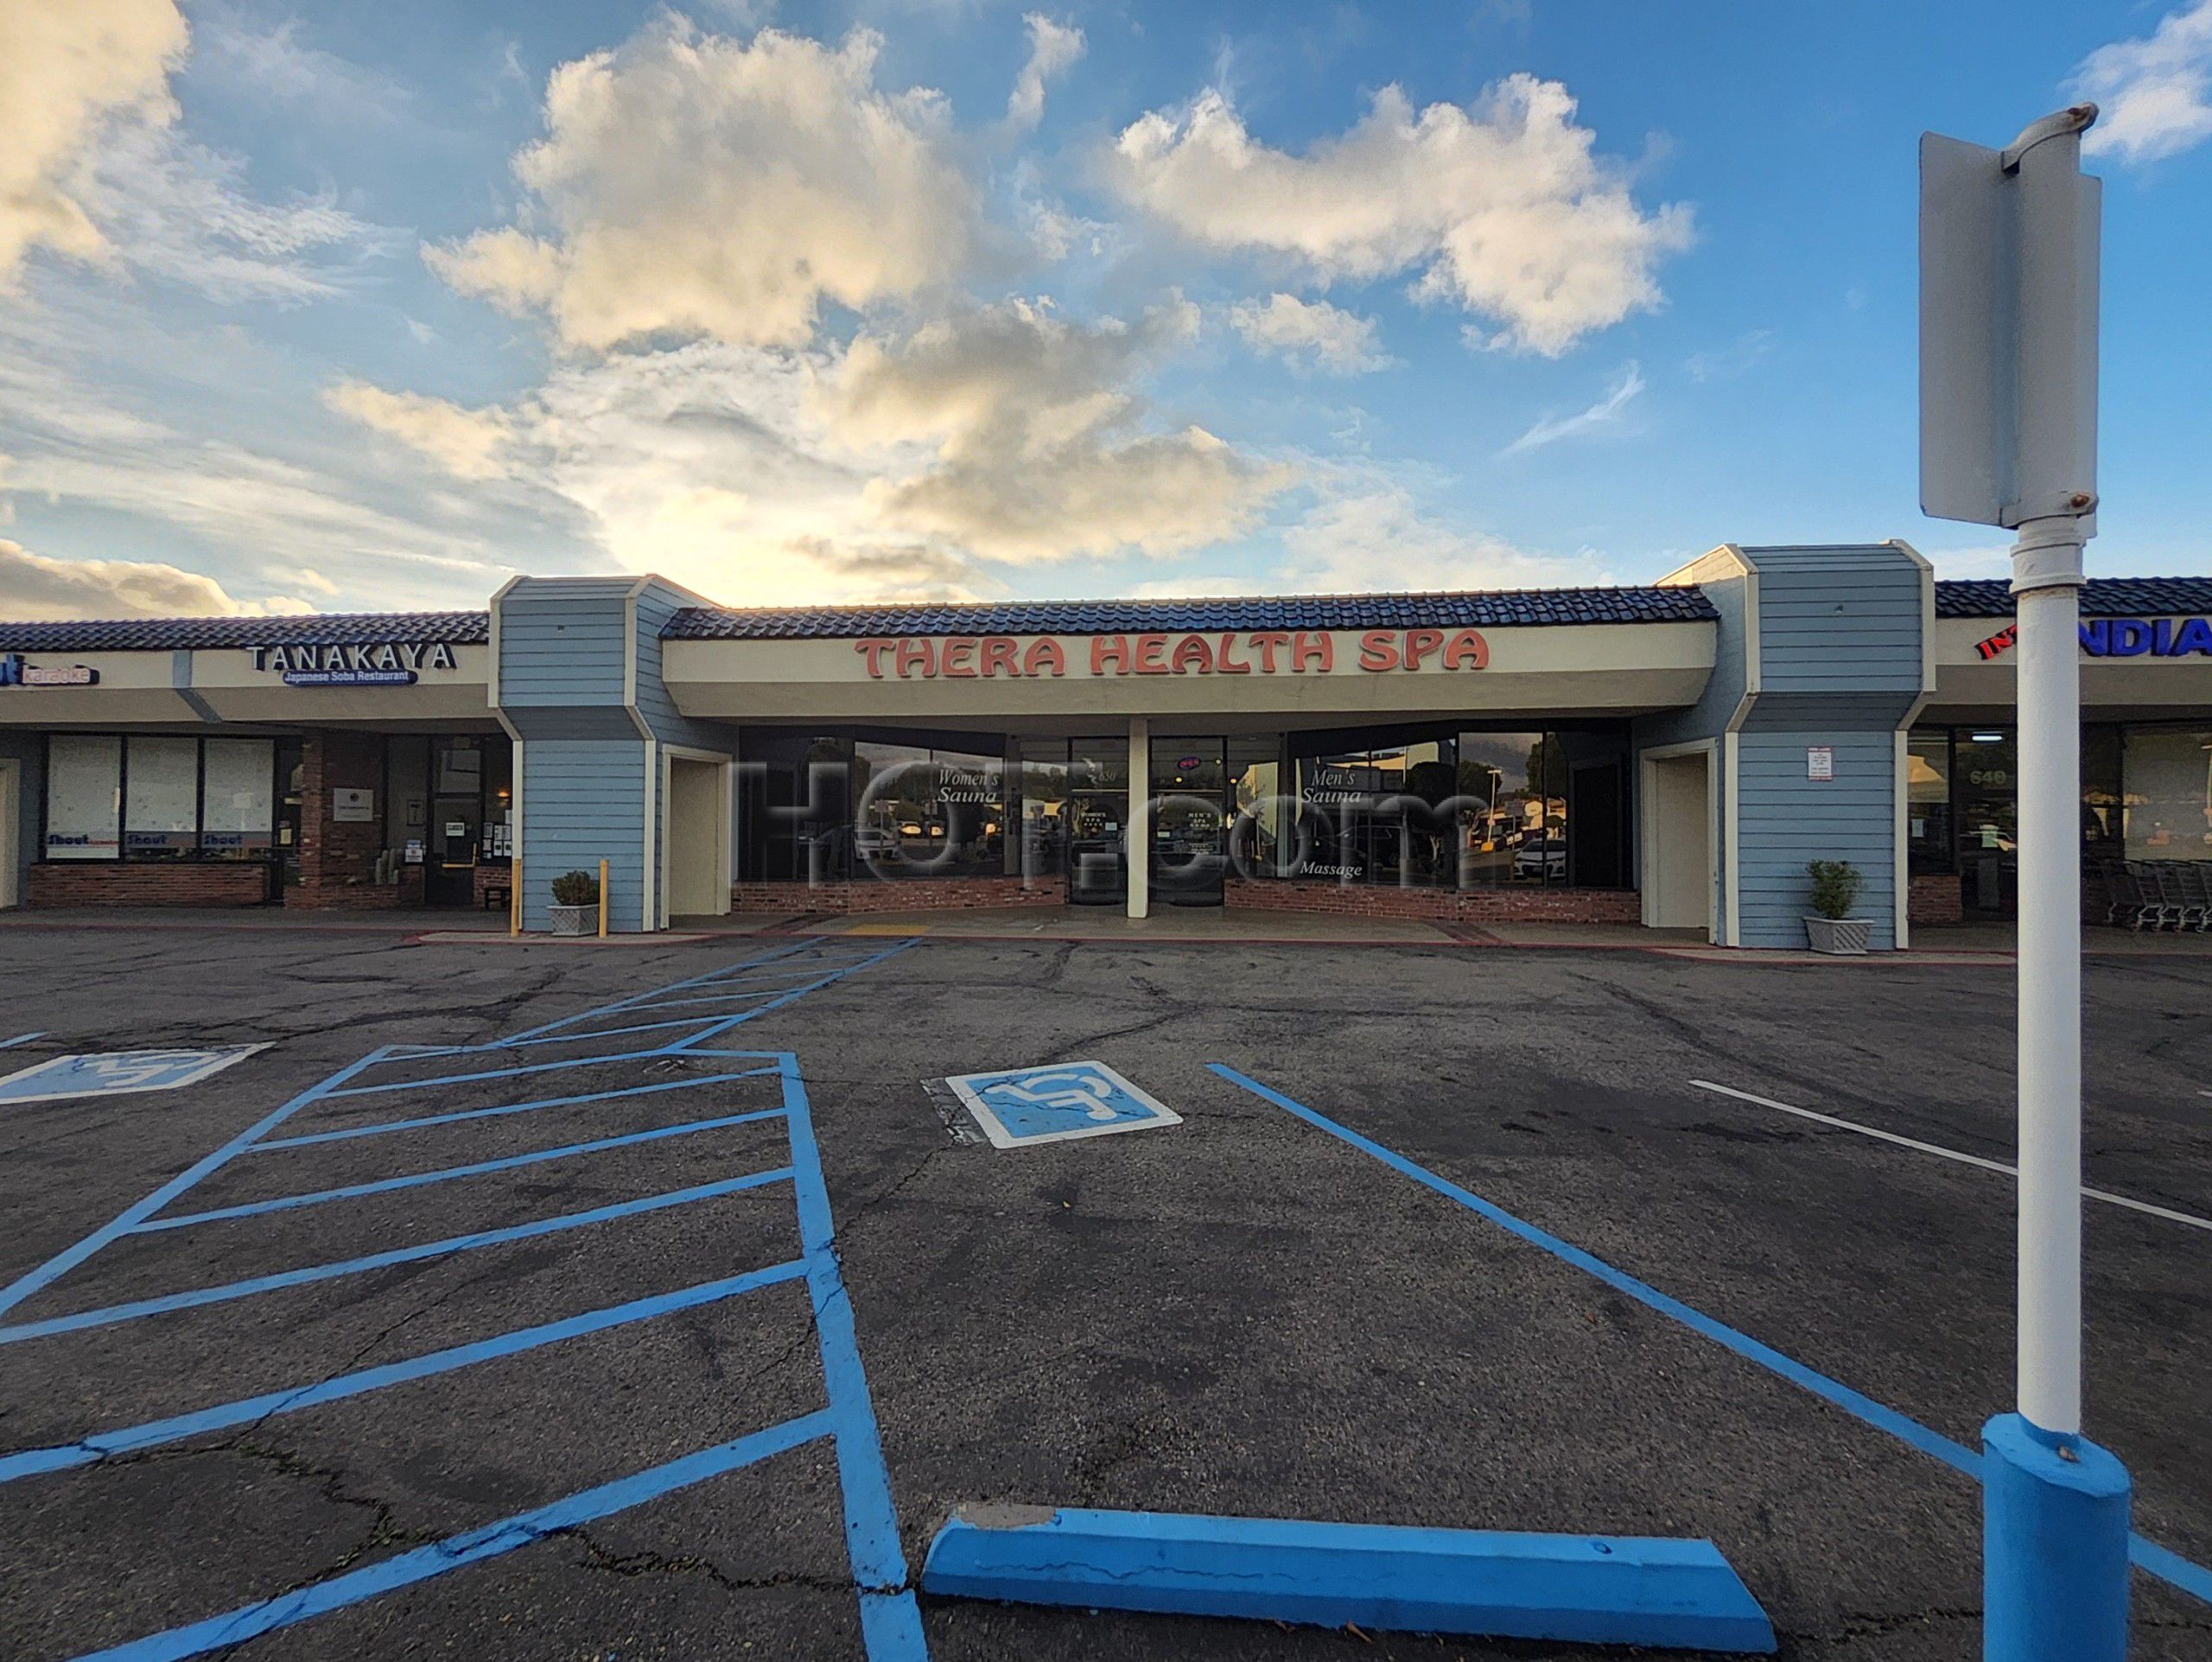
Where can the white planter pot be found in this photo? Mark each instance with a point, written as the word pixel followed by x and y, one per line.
pixel 1840 936
pixel 572 919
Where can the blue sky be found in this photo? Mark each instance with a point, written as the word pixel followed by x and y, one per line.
pixel 371 308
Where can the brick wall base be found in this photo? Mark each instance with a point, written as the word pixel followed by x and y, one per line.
pixel 1935 898
pixel 922 894
pixel 147 883
pixel 1496 905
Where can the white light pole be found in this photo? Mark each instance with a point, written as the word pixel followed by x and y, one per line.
pixel 2008 436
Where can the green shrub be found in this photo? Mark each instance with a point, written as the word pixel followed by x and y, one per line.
pixel 1836 884
pixel 575 888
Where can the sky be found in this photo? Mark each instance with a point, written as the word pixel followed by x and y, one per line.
pixel 371 308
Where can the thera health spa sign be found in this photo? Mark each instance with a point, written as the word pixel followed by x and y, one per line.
pixel 1263 651
pixel 377 664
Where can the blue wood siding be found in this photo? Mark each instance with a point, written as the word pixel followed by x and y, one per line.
pixel 584 801
pixel 561 642
pixel 1839 620
pixel 1724 688
pixel 1841 666
pixel 566 651
pixel 656 605
pixel 1787 819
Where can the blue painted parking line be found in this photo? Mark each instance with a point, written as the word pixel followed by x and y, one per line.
pixel 890 1624
pixel 438 1081
pixel 108 1316
pixel 2161 1562
pixel 625 1004
pixel 106 1445
pixel 890 1621
pixel 474 1546
pixel 70 1256
pixel 383 1127
pixel 446 1175
pixel 21 1039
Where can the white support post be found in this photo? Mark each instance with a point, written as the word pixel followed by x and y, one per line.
pixel 2048 557
pixel 2008 425
pixel 1139 818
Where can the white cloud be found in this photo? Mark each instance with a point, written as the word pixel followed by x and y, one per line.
pixel 1501 207
pixel 696 185
pixel 2155 93
pixel 246 484
pixel 34 588
pixel 273 61
pixel 1740 354
pixel 466 443
pixel 1310 333
pixel 905 465
pixel 1366 533
pixel 1606 413
pixel 1052 48
pixel 70 73
pixel 181 212
pixel 1038 457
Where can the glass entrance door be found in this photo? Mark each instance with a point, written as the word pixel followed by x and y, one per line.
pixel 1189 821
pixel 456 822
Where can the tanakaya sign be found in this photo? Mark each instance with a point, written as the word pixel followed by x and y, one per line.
pixel 2123 637
pixel 373 664
pixel 930 658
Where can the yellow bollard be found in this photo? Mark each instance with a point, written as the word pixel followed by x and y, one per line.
pixel 602 900
pixel 514 897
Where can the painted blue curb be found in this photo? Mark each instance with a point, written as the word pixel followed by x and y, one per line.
pixel 1678 1595
pixel 2054 1549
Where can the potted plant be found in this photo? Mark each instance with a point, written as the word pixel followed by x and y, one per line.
pixel 575 910
pixel 1832 928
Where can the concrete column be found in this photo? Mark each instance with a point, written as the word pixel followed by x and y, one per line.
pixel 1138 820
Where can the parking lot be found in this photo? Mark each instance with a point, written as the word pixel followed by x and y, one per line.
pixel 1447 1235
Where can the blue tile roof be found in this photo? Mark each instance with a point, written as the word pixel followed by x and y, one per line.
pixel 1500 609
pixel 2101 597
pixel 305 629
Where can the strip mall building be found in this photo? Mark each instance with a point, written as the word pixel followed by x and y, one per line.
pixel 1672 755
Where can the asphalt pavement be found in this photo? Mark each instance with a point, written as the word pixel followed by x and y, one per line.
pixel 1244 1313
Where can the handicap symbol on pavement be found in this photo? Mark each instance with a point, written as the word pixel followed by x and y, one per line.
pixel 118 1072
pixel 1022 1105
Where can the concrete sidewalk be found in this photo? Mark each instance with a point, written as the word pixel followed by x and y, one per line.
pixel 270 918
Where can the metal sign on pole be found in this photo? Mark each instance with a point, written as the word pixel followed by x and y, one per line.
pixel 2008 436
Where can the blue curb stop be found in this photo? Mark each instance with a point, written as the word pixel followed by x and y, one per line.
pixel 2054 1548
pixel 1658 1593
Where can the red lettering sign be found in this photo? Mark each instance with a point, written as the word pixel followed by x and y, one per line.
pixel 967 658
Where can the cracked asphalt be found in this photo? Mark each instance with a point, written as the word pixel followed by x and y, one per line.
pixel 1240 1314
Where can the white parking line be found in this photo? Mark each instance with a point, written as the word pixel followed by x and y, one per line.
pixel 1961 1155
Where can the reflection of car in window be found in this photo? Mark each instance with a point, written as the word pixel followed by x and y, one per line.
pixel 873 841
pixel 1535 859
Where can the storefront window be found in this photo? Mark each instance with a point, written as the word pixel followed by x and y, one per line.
pixel 1073 797
pixel 2169 806
pixel 2103 794
pixel 161 807
pixel 238 799
pixel 83 796
pixel 1986 797
pixel 920 812
pixel 1927 794
pixel 1512 809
